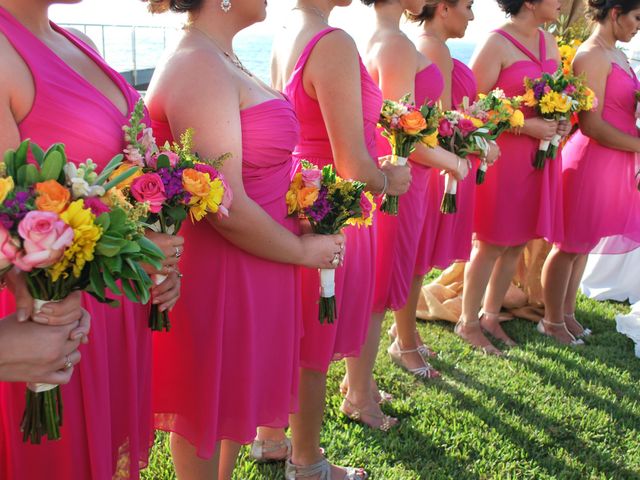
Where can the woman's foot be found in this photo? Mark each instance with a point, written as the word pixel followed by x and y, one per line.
pixel 559 332
pixel 266 451
pixel 425 351
pixel 322 470
pixel 574 326
pixel 471 332
pixel 370 415
pixel 490 322
pixel 411 361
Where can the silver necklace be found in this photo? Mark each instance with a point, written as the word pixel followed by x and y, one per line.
pixel 233 58
pixel 316 11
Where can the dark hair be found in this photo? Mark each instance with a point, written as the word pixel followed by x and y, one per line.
pixel 513 7
pixel 429 10
pixel 178 6
pixel 368 3
pixel 597 10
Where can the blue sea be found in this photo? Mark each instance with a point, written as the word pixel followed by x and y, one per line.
pixel 125 49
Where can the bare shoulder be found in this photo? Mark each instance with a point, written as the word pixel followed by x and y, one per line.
pixel 437 52
pixel 394 48
pixel 338 42
pixel 84 37
pixel 493 42
pixel 592 56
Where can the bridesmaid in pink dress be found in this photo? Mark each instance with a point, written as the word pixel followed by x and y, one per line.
pixel 394 62
pixel 516 203
pixel 230 362
pixel 599 166
pixel 338 106
pixel 60 90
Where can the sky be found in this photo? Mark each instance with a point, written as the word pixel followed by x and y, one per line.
pixel 133 12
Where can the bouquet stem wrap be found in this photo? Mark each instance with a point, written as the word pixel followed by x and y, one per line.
pixel 541 154
pixel 449 198
pixel 552 152
pixel 327 306
pixel 43 405
pixel 159 321
pixel 390 202
pixel 481 172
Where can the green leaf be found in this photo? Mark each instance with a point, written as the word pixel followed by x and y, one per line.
pixel 104 220
pixel 129 291
pixel 113 264
pixel 96 282
pixel 21 154
pixel 114 163
pixel 131 247
pixel 177 213
pixel 110 282
pixel 52 165
pixel 37 153
pixel 120 178
pixel 28 175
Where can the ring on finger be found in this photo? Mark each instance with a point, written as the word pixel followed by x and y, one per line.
pixel 178 252
pixel 336 260
pixel 67 363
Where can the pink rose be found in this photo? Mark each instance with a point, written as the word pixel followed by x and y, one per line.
pixel 97 206
pixel 570 89
pixel 45 239
pixel 149 188
pixel 311 177
pixel 204 168
pixel 223 208
pixel 365 206
pixel 8 248
pixel 466 126
pixel 445 129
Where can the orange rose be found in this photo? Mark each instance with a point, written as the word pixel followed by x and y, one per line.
pixel 306 196
pixel 52 197
pixel 196 183
pixel 121 169
pixel 413 123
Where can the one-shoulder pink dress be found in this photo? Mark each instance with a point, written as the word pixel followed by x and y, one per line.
pixel 452 239
pixel 400 237
pixel 107 427
pixel 601 198
pixel 230 362
pixel 322 343
pixel 517 203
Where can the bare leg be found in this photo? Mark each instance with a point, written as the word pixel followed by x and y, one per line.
pixel 573 325
pixel 556 275
pixel 405 320
pixel 477 273
pixel 188 465
pixel 274 446
pixel 501 277
pixel 360 373
pixel 228 454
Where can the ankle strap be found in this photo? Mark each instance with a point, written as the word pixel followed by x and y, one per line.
pixel 555 324
pixel 322 468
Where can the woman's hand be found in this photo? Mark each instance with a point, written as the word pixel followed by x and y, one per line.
pixel 564 127
pixel 167 293
pixel 322 251
pixel 398 176
pixel 540 128
pixel 172 247
pixel 493 153
pixel 461 170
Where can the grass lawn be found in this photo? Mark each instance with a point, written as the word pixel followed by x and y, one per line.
pixel 541 412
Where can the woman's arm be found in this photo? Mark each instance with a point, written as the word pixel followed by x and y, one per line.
pixel 208 100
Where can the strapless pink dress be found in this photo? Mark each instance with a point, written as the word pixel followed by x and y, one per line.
pixel 107 427
pixel 322 343
pixel 601 198
pixel 517 203
pixel 402 238
pixel 230 362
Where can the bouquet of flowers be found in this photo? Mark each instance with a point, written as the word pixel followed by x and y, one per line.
pixel 64 226
pixel 499 113
pixel 556 97
pixel 174 182
pixel 404 125
pixel 461 134
pixel 329 203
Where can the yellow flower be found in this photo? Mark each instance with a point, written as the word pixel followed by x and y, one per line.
pixel 307 195
pixel 476 121
pixel 430 141
pixel 6 185
pixel 121 169
pixel 517 119
pixel 209 203
pixel 554 102
pixel 86 235
pixel 368 206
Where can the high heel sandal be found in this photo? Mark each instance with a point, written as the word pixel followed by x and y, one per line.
pixel 356 414
pixel 424 351
pixel 585 331
pixel 321 468
pixel 488 348
pixel 541 328
pixel 383 397
pixel 425 372
pixel 260 449
pixel 495 316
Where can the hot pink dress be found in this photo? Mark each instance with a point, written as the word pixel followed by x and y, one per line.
pixel 400 237
pixel 107 405
pixel 322 343
pixel 517 203
pixel 452 239
pixel 230 362
pixel 601 198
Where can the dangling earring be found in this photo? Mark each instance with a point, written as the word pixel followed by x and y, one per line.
pixel 225 5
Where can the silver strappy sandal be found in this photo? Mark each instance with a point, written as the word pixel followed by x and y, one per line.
pixel 585 331
pixel 261 448
pixel 322 468
pixel 541 328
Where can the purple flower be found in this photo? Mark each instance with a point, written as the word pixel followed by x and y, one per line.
pixel 172 180
pixel 6 221
pixel 538 90
pixel 320 207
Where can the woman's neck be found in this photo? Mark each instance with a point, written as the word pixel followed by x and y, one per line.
pixel 216 25
pixel 33 14
pixel 525 25
pixel 435 30
pixel 604 36
pixel 316 8
pixel 388 15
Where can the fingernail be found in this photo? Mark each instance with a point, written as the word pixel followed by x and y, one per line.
pixel 46 310
pixel 78 336
pixel 40 319
pixel 155 302
pixel 85 339
pixel 21 314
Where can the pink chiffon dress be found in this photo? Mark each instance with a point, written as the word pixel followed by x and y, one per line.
pixel 230 362
pixel 601 198
pixel 107 428
pixel 452 238
pixel 400 237
pixel 517 203
pixel 322 343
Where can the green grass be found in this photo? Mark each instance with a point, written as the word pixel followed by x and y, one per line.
pixel 541 412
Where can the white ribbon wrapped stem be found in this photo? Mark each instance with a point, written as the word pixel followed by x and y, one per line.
pixel 327 282
pixel 41 387
pixel 397 160
pixel 158 278
pixel 450 184
pixel 544 144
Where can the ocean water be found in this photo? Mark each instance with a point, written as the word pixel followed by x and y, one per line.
pixel 125 48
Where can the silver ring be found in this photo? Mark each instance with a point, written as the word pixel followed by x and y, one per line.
pixel 336 260
pixel 67 363
pixel 180 275
pixel 178 252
